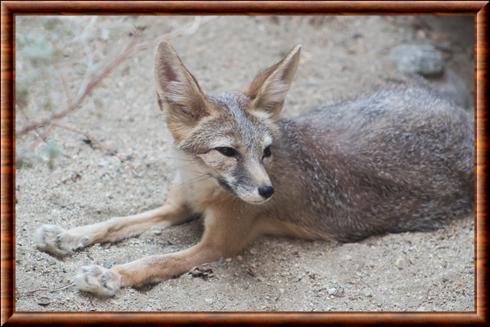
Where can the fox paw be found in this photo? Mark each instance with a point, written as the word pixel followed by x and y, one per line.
pixel 57 241
pixel 98 280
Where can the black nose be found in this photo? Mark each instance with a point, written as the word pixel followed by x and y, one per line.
pixel 266 191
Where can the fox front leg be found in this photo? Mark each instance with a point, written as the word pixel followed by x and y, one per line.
pixel 60 242
pixel 223 237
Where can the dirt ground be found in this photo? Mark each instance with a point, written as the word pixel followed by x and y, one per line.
pixel 83 183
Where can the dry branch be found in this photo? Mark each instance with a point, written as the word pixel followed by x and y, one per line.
pixel 45 289
pixel 91 84
pixel 95 144
pixel 87 90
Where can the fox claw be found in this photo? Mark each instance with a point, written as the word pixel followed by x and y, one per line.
pixel 98 280
pixel 57 241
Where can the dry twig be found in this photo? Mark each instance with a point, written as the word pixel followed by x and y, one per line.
pixel 89 85
pixel 94 143
pixel 45 289
pixel 87 90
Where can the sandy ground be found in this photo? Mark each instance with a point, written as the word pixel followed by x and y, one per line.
pixel 342 57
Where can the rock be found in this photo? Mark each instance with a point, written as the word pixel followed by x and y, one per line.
pixel 44 301
pixel 400 263
pixel 422 59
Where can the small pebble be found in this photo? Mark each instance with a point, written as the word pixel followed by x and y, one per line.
pixel 399 262
pixel 44 301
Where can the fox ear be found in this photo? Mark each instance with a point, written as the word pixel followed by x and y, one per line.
pixel 179 94
pixel 269 88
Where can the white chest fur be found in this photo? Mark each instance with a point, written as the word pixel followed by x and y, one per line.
pixel 193 182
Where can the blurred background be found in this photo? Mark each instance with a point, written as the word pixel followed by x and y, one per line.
pixel 91 144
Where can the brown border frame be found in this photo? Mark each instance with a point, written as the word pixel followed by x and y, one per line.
pixel 9 9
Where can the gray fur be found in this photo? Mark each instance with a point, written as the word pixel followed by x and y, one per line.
pixel 235 123
pixel 398 160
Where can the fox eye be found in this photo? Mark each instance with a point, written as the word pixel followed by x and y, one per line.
pixel 267 152
pixel 227 151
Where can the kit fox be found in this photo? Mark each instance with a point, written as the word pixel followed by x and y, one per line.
pixel 398 160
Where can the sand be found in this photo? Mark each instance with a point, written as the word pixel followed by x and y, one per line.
pixel 342 57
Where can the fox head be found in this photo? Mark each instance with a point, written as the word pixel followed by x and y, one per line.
pixel 232 135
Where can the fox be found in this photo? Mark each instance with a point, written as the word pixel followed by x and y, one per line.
pixel 397 160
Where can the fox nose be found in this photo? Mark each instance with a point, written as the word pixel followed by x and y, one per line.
pixel 266 191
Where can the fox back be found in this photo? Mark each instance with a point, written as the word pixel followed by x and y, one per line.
pixel 398 160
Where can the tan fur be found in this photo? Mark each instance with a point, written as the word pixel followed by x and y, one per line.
pixel 229 223
pixel 229 227
pixel 269 88
pixel 179 92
